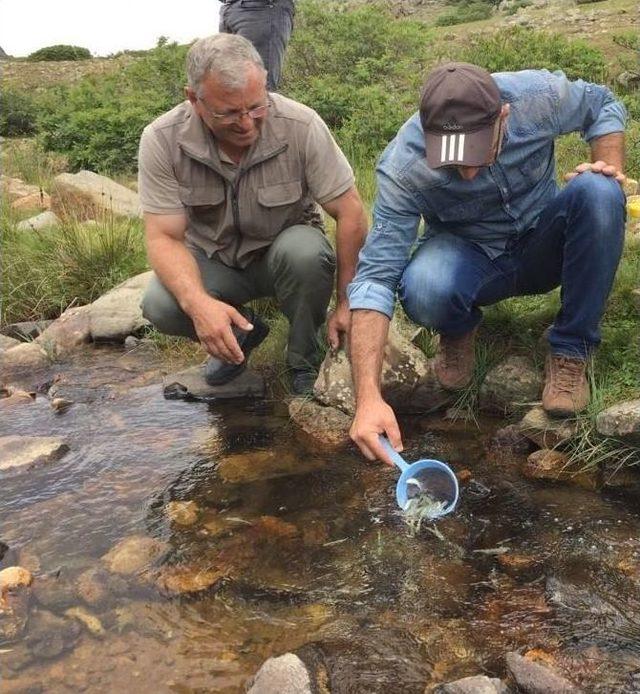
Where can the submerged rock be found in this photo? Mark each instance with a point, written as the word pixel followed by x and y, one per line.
pixel 15 397
pixel 621 421
pixel 511 385
pixel 553 465
pixel 533 678
pixel 50 636
pixel 188 579
pixel 286 674
pixel 263 465
pixel 183 513
pixel 90 621
pixel 545 431
pixel 479 684
pixel 55 592
pixel 325 427
pixel 133 554
pixel 520 566
pixel 21 451
pixel 14 577
pixel 93 587
pixel 14 614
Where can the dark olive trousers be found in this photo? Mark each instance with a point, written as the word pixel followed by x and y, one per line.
pixel 297 270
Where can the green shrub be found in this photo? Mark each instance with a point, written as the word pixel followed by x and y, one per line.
pixel 18 113
pixel 360 69
pixel 97 123
pixel 519 48
pixel 517 5
pixel 471 12
pixel 60 52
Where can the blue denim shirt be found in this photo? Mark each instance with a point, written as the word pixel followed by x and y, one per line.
pixel 501 203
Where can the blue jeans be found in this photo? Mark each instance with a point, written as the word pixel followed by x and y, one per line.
pixel 267 24
pixel 576 244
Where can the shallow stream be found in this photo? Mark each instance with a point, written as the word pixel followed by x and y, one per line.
pixel 286 548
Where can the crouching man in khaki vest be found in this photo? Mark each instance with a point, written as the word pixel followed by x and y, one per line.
pixel 230 183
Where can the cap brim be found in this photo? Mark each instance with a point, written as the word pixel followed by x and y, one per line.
pixel 460 149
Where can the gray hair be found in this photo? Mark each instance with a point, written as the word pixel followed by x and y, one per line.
pixel 227 56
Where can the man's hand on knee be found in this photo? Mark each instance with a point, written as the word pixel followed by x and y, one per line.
pixel 213 321
pixel 596 167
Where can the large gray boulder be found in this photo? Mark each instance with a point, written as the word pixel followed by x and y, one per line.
pixel 511 385
pixel 533 678
pixel 95 194
pixel 408 381
pixel 117 313
pixel 621 421
pixel 286 674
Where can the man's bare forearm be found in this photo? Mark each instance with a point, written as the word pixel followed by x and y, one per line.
pixel 610 149
pixel 368 338
pixel 177 270
pixel 350 234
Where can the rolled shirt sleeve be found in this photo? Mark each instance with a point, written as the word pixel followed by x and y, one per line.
pixel 387 248
pixel 589 108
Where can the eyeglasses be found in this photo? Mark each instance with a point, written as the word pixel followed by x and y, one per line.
pixel 236 116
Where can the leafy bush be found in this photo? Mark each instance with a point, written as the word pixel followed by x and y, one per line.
pixel 97 123
pixel 519 48
pixel 18 113
pixel 360 69
pixel 60 52
pixel 471 12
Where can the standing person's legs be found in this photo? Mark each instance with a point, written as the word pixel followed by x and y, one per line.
pixel 267 24
pixel 442 288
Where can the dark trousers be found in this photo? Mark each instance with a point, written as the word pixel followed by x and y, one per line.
pixel 576 245
pixel 297 270
pixel 267 24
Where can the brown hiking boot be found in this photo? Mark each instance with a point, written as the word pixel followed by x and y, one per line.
pixel 566 389
pixel 455 360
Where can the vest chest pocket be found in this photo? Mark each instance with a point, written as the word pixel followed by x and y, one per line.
pixel 280 194
pixel 204 204
pixel 279 206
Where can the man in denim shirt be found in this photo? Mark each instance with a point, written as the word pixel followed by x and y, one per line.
pixel 477 164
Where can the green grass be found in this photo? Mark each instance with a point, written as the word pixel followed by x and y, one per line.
pixel 25 158
pixel 45 272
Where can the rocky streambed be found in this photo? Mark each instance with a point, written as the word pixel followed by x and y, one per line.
pixel 175 546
